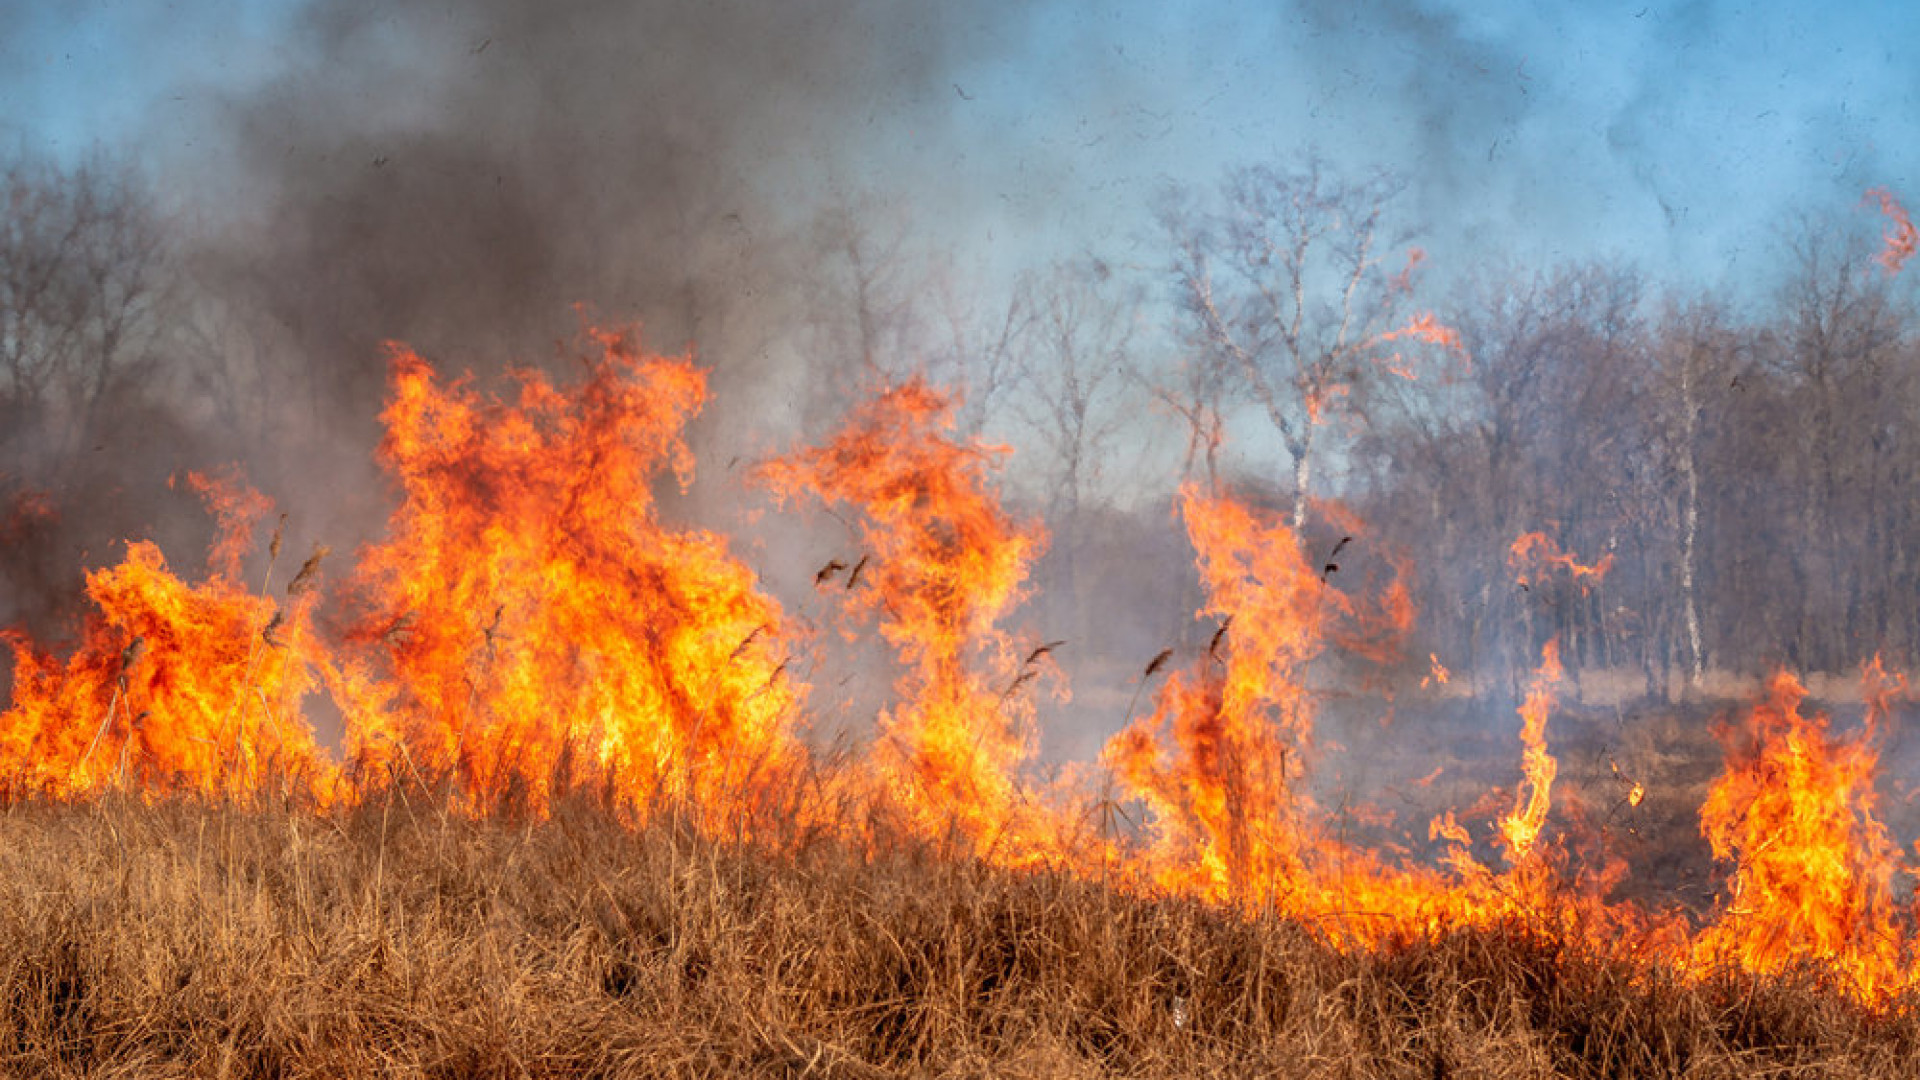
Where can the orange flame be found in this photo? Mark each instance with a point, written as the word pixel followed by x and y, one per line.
pixel 1812 880
pixel 1428 328
pixel 1220 762
pixel 1216 762
pixel 530 624
pixel 1534 557
pixel 945 564
pixel 173 687
pixel 1424 327
pixel 1520 828
pixel 1900 241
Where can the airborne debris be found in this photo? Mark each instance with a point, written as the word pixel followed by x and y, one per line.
pixel 1154 665
pixel 1219 635
pixel 1331 566
pixel 1043 650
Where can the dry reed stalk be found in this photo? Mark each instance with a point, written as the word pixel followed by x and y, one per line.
pixel 234 711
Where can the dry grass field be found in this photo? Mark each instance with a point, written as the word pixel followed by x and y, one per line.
pixel 183 939
pixel 576 828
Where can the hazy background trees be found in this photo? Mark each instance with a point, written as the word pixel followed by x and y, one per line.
pixel 89 325
pixel 1752 469
pixel 1282 280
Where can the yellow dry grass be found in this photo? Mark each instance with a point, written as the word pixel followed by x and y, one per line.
pixel 190 940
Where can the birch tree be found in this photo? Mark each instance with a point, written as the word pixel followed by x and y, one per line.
pixel 1695 349
pixel 1295 285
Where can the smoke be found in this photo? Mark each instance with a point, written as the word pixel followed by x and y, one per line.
pixel 478 181
pixel 461 177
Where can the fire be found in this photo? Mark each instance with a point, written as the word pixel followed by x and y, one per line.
pixel 174 687
pixel 1537 885
pixel 1901 240
pixel 943 565
pixel 1795 811
pixel 1423 327
pixel 529 624
pixel 1520 828
pixel 1535 558
pixel 1217 762
pixel 1220 763
pixel 1428 328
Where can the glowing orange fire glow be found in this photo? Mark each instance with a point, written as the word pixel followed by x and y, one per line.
pixel 1521 827
pixel 1901 240
pixel 944 565
pixel 1795 811
pixel 1218 761
pixel 530 625
pixel 174 687
pixel 1534 557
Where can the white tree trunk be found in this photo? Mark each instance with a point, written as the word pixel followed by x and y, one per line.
pixel 1690 526
pixel 1302 476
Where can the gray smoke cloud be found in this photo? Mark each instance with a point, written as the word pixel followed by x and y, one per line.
pixel 479 181
pixel 460 178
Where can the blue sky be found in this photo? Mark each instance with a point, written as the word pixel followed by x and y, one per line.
pixel 1678 135
pixel 123 72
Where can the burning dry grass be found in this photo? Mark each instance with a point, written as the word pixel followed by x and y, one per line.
pixel 576 830
pixel 194 940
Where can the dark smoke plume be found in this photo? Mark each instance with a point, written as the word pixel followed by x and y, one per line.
pixel 460 177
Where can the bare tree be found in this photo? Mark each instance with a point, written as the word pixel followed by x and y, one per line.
pixel 1286 284
pixel 890 311
pixel 1074 372
pixel 86 291
pixel 1694 353
pixel 977 347
pixel 1074 367
pixel 228 372
pixel 1837 342
pixel 864 314
pixel 82 256
pixel 1196 394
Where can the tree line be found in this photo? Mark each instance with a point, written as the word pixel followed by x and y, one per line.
pixel 1748 465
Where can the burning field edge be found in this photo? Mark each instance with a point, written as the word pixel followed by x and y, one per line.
pixel 578 823
pixel 392 938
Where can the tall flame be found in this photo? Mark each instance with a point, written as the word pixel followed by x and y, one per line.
pixel 1521 827
pixel 943 564
pixel 1219 764
pixel 1216 762
pixel 173 687
pixel 530 624
pixel 1795 811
